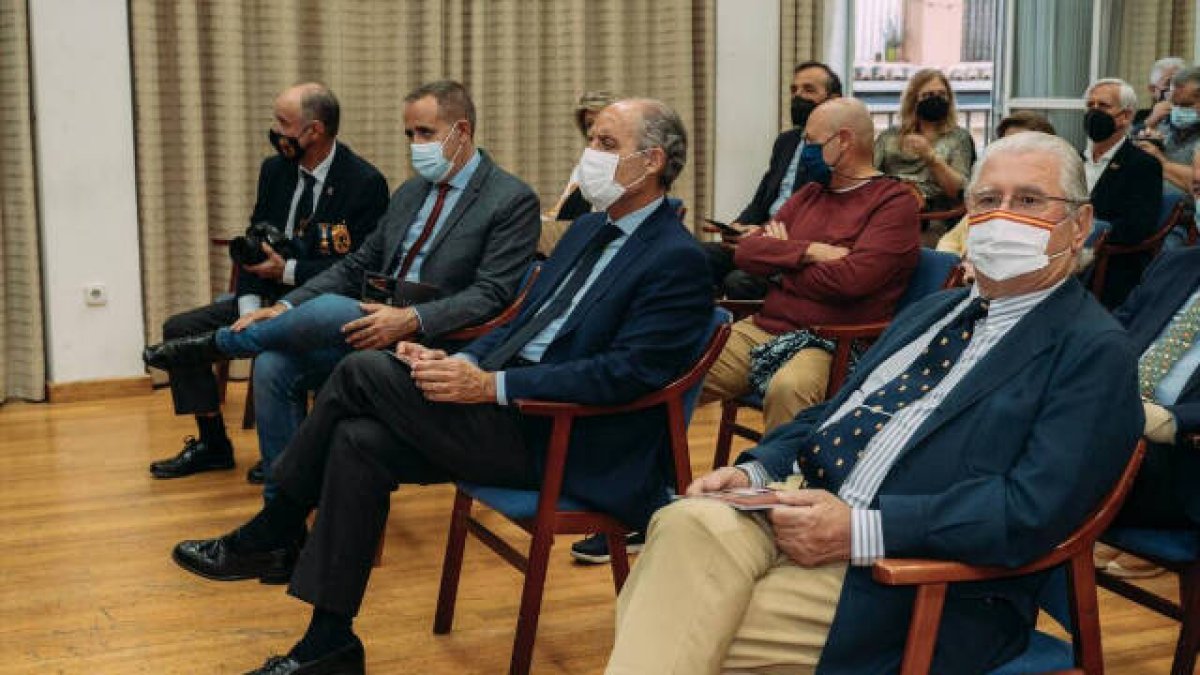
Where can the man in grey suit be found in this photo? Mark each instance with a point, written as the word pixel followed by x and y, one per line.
pixel 448 253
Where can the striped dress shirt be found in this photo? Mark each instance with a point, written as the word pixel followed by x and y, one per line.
pixel 860 487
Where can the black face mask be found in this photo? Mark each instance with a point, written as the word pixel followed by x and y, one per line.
pixel 801 109
pixel 288 147
pixel 933 109
pixel 1099 125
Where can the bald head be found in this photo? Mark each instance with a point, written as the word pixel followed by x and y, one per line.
pixel 850 114
pixel 312 102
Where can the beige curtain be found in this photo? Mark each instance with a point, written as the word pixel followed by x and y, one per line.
pixel 23 374
pixel 800 40
pixel 205 75
pixel 1143 32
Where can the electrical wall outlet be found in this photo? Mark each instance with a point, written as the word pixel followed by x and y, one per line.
pixel 95 295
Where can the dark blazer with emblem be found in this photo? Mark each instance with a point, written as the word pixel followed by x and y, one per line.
pixel 353 198
pixel 477 257
pixel 1128 195
pixel 1169 282
pixel 636 329
pixel 1027 444
pixel 758 211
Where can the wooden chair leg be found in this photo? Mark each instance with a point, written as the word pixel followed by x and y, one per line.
pixel 531 599
pixel 922 631
pixel 1085 614
pixel 729 411
pixel 619 557
pixel 1189 627
pixel 248 411
pixel 456 541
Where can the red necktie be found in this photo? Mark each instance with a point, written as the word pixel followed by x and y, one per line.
pixel 430 223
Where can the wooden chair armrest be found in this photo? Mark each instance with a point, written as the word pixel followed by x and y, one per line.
pixel 917 571
pixel 509 313
pixel 851 331
pixel 219 241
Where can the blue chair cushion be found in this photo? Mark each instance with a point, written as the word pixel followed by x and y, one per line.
pixel 752 400
pixel 516 504
pixel 1044 654
pixel 1171 545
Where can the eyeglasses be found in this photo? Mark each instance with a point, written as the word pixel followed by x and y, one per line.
pixel 1025 203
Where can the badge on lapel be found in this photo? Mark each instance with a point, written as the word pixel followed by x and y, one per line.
pixel 324 245
pixel 341 239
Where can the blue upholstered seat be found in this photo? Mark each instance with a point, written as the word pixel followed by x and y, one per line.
pixel 1045 652
pixel 1179 546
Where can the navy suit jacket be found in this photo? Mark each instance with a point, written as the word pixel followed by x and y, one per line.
pixel 355 195
pixel 758 211
pixel 1128 195
pixel 1169 281
pixel 635 330
pixel 1022 450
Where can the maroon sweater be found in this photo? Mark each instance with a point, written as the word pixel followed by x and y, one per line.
pixel 877 222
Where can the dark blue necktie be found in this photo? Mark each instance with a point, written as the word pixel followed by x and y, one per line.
pixel 827 462
pixel 537 322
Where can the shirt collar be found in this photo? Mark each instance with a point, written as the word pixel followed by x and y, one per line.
pixel 459 180
pixel 322 170
pixel 1106 157
pixel 629 222
pixel 1014 304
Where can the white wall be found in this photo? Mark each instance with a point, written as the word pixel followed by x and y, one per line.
pixel 88 199
pixel 747 100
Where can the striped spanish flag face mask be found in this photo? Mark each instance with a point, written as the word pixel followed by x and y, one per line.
pixel 1002 244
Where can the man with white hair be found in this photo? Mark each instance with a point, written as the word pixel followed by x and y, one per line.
pixel 1124 181
pixel 983 427
pixel 1159 86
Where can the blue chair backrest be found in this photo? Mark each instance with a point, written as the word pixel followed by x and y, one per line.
pixel 720 317
pixel 1169 200
pixel 932 269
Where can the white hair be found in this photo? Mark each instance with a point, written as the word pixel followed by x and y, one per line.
pixel 1125 93
pixel 1070 165
pixel 1162 65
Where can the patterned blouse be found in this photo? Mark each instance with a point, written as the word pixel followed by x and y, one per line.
pixel 955 147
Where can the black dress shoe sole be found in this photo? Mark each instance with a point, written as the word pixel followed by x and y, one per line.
pixel 274 577
pixel 164 474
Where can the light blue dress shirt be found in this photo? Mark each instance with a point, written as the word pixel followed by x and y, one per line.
pixel 536 348
pixel 458 183
pixel 1171 386
pixel 789 181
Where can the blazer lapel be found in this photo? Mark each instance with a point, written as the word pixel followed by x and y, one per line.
pixel 330 194
pixel 468 197
pixel 1032 335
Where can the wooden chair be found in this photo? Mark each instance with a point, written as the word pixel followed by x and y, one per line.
pixel 932 577
pixel 1174 210
pixel 509 313
pixel 935 270
pixel 548 512
pixel 1179 552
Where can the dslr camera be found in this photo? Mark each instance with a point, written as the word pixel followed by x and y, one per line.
pixel 247 250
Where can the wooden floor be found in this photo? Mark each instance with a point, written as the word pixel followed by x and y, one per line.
pixel 87 584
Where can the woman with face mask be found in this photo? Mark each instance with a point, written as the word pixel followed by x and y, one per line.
pixel 928 148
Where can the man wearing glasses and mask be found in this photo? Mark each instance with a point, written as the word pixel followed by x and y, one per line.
pixel 983 427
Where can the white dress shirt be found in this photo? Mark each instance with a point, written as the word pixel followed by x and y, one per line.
pixel 1094 169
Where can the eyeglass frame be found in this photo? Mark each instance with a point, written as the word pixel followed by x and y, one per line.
pixel 1073 204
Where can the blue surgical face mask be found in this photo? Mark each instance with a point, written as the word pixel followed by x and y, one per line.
pixel 813 160
pixel 429 159
pixel 1184 117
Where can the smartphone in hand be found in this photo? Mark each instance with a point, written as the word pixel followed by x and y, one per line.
pixel 724 228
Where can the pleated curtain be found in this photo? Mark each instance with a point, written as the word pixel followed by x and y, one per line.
pixel 1145 31
pixel 205 75
pixel 800 40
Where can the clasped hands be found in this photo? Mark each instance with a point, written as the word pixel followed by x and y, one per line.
pixel 447 380
pixel 812 527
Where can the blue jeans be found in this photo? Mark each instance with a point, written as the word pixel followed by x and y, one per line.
pixel 296 351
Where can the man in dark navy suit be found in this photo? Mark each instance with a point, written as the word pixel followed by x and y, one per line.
pixel 616 313
pixel 326 199
pixel 982 427
pixel 813 83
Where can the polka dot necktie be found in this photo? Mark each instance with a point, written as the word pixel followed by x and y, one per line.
pixel 1158 360
pixel 838 447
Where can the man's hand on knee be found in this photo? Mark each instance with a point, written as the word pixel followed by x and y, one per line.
pixel 454 381
pixel 724 478
pixel 382 327
pixel 813 528
pixel 264 314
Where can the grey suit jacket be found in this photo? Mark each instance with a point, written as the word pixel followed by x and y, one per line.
pixel 477 257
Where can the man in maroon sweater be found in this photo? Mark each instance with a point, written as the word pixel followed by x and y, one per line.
pixel 842 249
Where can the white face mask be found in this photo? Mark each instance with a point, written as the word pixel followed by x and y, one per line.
pixel 1002 245
pixel 429 159
pixel 598 178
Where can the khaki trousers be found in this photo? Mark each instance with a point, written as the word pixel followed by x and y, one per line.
pixel 799 384
pixel 712 594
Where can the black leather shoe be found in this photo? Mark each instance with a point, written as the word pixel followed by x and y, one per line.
pixel 348 660
pixel 215 559
pixel 195 457
pixel 193 350
pixel 256 475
